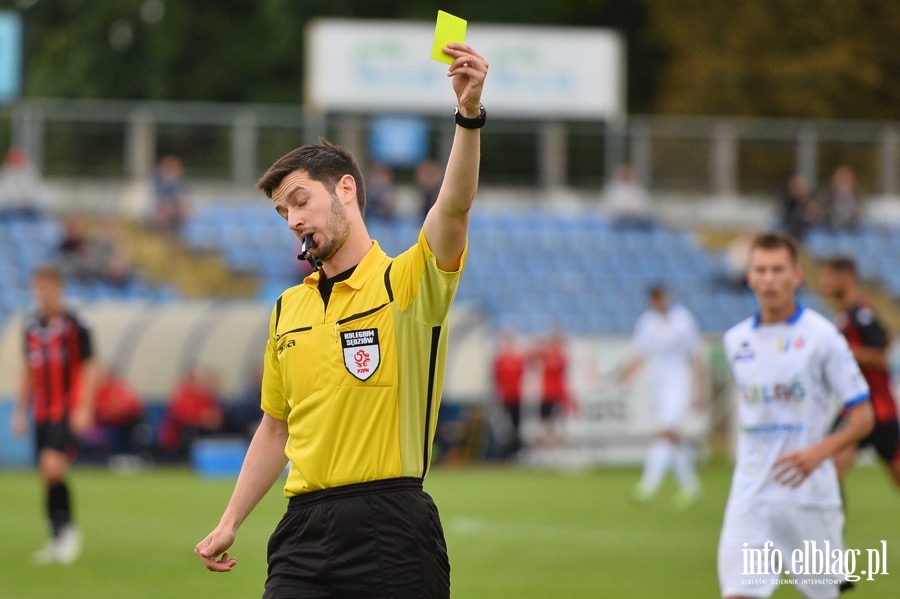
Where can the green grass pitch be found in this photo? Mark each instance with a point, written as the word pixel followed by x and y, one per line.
pixel 511 534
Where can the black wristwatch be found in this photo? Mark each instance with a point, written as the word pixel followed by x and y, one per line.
pixel 467 123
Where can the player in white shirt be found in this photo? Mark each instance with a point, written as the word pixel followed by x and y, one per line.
pixel 666 339
pixel 793 370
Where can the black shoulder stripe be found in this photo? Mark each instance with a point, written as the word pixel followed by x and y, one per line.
pixel 278 311
pixel 387 282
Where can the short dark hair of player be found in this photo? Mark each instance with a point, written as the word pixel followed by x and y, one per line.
pixel 47 272
pixel 774 240
pixel 841 264
pixel 324 162
pixel 657 291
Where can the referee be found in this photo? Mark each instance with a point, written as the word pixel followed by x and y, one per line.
pixel 354 368
pixel 59 382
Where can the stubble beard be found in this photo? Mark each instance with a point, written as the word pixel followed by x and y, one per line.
pixel 337 231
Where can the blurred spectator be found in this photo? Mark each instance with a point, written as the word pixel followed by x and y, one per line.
pixel 171 201
pixel 74 249
pixel 509 368
pixel 108 261
pixel 553 361
pixel 20 187
pixel 243 416
pixel 737 258
pixel 118 409
pixel 429 177
pixel 842 210
pixel 799 210
pixel 94 257
pixel 380 193
pixel 194 411
pixel 626 201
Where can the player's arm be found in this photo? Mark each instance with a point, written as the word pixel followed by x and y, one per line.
pixel 263 464
pixel 446 225
pixel 19 422
pixel 631 368
pixel 793 468
pixel 83 416
pixel 698 368
pixel 846 381
pixel 871 357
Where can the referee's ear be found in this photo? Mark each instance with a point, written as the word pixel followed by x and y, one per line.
pixel 345 190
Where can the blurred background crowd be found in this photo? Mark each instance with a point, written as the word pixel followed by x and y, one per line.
pixel 138 128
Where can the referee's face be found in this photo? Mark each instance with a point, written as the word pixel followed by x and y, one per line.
pixel 773 276
pixel 310 208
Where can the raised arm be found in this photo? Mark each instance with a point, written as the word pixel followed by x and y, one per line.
pixel 446 225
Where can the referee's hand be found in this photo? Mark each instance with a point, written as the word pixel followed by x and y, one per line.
pixel 212 551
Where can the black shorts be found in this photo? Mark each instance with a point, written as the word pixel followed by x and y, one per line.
pixel 376 539
pixel 551 410
pixel 55 435
pixel 885 438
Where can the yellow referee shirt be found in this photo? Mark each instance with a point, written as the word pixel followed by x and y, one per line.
pixel 359 384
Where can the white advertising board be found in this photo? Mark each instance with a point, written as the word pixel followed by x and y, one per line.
pixel 535 72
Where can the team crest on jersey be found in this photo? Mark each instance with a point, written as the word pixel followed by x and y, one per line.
pixel 745 352
pixel 362 354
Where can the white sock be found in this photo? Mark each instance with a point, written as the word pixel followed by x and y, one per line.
pixel 659 459
pixel 686 469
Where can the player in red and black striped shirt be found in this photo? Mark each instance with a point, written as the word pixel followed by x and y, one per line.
pixel 58 383
pixel 869 342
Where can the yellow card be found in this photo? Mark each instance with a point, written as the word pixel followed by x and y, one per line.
pixel 447 29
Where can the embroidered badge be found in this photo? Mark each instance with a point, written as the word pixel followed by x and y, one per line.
pixel 361 352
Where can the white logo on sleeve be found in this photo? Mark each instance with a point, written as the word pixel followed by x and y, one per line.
pixel 361 352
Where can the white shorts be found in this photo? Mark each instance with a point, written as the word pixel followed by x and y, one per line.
pixel 671 401
pixel 762 543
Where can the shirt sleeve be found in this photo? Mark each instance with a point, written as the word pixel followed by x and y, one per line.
pixel 641 339
pixel 273 398
pixel 85 341
pixel 842 372
pixel 421 288
pixel 870 330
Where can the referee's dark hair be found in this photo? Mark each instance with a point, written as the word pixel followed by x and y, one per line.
pixel 773 240
pixel 324 162
pixel 841 264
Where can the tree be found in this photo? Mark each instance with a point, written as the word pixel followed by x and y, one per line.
pixel 805 58
pixel 246 50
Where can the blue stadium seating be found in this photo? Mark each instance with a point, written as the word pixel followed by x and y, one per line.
pixel 25 244
pixel 532 270
pixel 876 250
